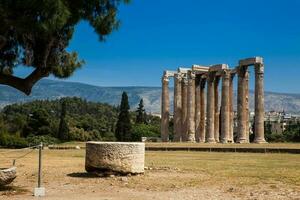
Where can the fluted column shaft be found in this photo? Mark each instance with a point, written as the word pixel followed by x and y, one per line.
pixel 177 107
pixel 217 109
pixel 231 112
pixel 242 104
pixel 198 108
pixel 165 110
pixel 191 107
pixel 259 104
pixel 210 127
pixel 184 109
pixel 202 109
pixel 225 104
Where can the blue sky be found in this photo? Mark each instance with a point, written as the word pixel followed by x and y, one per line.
pixel 164 34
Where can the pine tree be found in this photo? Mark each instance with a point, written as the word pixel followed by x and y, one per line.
pixel 141 117
pixel 37 34
pixel 63 131
pixel 123 128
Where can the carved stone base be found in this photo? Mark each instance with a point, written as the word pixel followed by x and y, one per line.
pixel 260 141
pixel 211 141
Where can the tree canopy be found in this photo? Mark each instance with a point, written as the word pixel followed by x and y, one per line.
pixel 36 33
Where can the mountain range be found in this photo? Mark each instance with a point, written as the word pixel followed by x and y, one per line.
pixel 53 89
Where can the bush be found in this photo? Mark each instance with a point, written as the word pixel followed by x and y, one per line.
pixel 275 137
pixel 144 130
pixel 79 134
pixel 12 141
pixel 45 139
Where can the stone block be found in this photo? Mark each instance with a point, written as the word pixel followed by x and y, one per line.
pixel 116 157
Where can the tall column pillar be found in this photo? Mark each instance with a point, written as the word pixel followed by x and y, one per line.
pixel 217 109
pixel 191 107
pixel 243 105
pixel 184 109
pixel 210 128
pixel 198 108
pixel 202 109
pixel 231 111
pixel 225 104
pixel 165 104
pixel 177 107
pixel 259 104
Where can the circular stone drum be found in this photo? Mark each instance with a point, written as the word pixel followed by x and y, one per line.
pixel 118 157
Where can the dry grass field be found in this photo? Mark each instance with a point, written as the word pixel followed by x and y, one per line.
pixel 169 175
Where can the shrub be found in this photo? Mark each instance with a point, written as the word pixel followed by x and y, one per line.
pixel 45 139
pixel 12 141
pixel 143 130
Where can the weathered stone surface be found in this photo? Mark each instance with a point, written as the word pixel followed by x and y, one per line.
pixel 177 107
pixel 118 157
pixel 191 107
pixel 184 91
pixel 210 119
pixel 7 176
pixel 242 104
pixel 165 109
pixel 259 104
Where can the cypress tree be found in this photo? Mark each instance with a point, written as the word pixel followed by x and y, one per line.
pixel 63 130
pixel 123 127
pixel 141 117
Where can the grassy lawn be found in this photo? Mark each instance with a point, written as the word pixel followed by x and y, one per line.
pixel 232 175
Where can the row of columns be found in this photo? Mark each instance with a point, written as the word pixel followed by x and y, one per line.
pixel 199 119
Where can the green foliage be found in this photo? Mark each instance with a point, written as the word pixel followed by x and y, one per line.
pixel 291 134
pixel 141 115
pixel 144 130
pixel 14 141
pixel 36 34
pixel 42 120
pixel 123 127
pixel 79 134
pixel 63 130
pixel 45 139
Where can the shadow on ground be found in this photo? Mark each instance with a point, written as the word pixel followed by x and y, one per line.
pixel 83 175
pixel 12 190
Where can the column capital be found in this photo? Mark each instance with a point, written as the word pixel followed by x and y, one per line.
pixel 259 68
pixel 191 75
pixel 178 76
pixel 226 73
pixel 165 78
pixel 184 80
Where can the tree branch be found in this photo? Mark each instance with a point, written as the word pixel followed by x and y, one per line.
pixel 24 85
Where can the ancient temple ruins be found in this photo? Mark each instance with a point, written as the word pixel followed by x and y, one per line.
pixel 197 117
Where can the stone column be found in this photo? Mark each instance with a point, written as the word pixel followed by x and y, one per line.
pixel 165 104
pixel 198 108
pixel 225 104
pixel 217 109
pixel 177 107
pixel 202 109
pixel 231 111
pixel 242 104
pixel 184 109
pixel 191 107
pixel 259 104
pixel 210 127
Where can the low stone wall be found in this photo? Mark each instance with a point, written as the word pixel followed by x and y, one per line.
pixel 119 157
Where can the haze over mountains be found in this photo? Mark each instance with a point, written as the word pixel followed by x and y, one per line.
pixel 50 89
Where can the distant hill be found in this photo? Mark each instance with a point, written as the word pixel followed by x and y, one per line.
pixel 50 89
